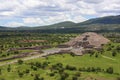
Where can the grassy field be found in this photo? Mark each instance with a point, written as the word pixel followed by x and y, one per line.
pixel 55 67
pixel 65 59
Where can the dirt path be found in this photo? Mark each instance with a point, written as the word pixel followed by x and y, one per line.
pixel 46 53
pixel 108 57
pixel 24 59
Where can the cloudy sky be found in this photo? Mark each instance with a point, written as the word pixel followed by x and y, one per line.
pixel 15 13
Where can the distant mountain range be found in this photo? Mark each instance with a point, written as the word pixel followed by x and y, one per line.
pixel 103 20
pixel 96 24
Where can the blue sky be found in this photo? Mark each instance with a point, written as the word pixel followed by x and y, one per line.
pixel 14 13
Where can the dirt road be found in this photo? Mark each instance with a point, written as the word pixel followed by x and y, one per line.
pixel 45 53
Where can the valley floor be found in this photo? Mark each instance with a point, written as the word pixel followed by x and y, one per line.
pixel 99 65
pixel 52 65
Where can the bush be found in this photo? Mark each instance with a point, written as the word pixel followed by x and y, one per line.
pixel 98 69
pixel 118 48
pixel 114 53
pixel 36 77
pixel 109 70
pixel 74 78
pixel 72 54
pixel 34 68
pixel 70 67
pixel 16 52
pixel 91 52
pixel 78 74
pixel 44 65
pixel 64 76
pixel 109 49
pixel 20 61
pixel 38 64
pixel 58 66
pixel 90 69
pixel 82 69
pixel 52 74
pixel 27 71
pixel 20 74
pixel 9 68
pixel 118 78
pixel 96 55
pixel 0 71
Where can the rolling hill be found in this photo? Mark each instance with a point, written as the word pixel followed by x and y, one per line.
pixel 108 23
pixel 102 20
pixel 65 24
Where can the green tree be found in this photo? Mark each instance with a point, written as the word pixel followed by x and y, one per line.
pixel 37 77
pixel 109 70
pixel 9 68
pixel 96 55
pixel 0 71
pixel 27 71
pixel 114 53
pixel 20 61
pixel 74 78
pixel 64 76
pixel 20 74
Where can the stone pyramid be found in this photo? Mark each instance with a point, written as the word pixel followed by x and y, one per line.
pixel 88 40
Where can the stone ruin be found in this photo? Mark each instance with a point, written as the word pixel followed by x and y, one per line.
pixel 86 42
pixel 80 45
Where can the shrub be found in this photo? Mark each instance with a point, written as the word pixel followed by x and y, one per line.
pixel 27 71
pixel 96 55
pixel 72 54
pixel 118 78
pixel 109 70
pixel 78 74
pixel 16 52
pixel 0 71
pixel 34 68
pixel 36 77
pixel 9 68
pixel 74 78
pixel 52 74
pixel 70 67
pixel 20 61
pixel 64 76
pixel 114 53
pixel 38 64
pixel 20 74
pixel 98 69
pixel 118 48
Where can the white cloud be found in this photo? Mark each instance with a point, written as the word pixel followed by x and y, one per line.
pixel 7 13
pixel 14 24
pixel 32 21
pixel 79 19
pixel 33 3
pixel 42 12
pixel 93 1
pixel 58 18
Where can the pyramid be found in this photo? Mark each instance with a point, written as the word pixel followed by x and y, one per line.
pixel 88 40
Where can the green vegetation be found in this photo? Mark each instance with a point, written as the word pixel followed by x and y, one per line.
pixel 12 40
pixel 102 24
pixel 97 65
pixel 62 67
